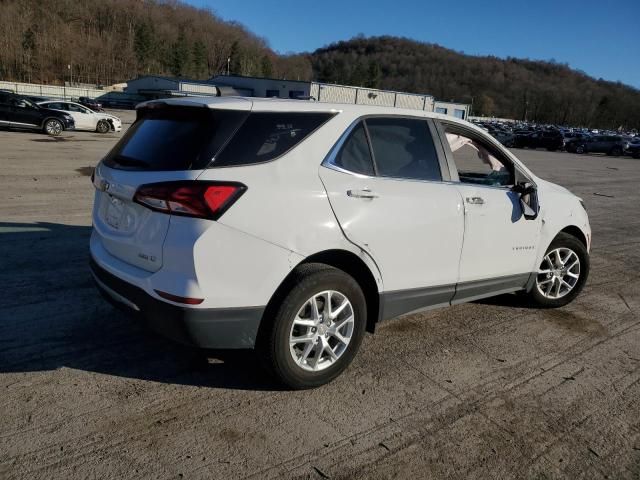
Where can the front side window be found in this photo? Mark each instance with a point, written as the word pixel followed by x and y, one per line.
pixel 355 155
pixel 403 148
pixel 478 162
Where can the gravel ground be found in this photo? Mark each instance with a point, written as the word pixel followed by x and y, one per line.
pixel 483 390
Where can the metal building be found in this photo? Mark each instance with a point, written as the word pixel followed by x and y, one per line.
pixel 458 110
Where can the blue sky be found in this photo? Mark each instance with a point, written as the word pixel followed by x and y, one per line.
pixel 602 38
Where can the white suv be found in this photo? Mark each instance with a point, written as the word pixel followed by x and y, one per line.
pixel 292 227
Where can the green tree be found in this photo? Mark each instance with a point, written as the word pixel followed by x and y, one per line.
pixel 180 56
pixel 199 59
pixel 267 66
pixel 374 75
pixel 144 45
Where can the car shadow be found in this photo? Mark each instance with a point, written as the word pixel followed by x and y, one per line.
pixel 51 317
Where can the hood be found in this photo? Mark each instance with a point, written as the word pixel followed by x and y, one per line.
pixel 552 187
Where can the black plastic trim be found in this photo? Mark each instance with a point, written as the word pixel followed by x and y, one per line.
pixel 216 328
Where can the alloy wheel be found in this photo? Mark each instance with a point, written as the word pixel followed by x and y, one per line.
pixel 321 331
pixel 559 273
pixel 53 127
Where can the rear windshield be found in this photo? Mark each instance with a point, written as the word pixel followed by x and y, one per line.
pixel 265 136
pixel 192 138
pixel 174 138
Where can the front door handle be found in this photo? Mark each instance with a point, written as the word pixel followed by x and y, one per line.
pixel 364 193
pixel 475 200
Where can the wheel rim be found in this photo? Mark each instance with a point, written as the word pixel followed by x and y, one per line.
pixel 321 331
pixel 54 128
pixel 102 127
pixel 559 273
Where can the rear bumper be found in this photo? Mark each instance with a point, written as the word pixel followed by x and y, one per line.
pixel 200 327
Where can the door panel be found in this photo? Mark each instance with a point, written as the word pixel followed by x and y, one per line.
pixel 412 229
pixel 498 240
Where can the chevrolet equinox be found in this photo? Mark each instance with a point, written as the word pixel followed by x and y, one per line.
pixel 292 227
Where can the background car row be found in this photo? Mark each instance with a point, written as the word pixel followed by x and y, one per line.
pixel 54 116
pixel 552 138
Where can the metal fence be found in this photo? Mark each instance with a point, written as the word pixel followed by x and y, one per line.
pixel 323 92
pixel 51 91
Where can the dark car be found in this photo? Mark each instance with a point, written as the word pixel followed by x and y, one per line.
pixel 505 137
pixel 634 148
pixel 550 139
pixel 17 111
pixel 609 144
pixel 91 103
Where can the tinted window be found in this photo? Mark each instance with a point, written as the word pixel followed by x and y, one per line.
pixel 174 138
pixel 354 154
pixel 403 148
pixel 268 135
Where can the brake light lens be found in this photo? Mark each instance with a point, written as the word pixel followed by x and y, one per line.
pixel 190 198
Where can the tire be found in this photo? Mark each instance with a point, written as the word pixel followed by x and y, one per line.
pixel 53 127
pixel 636 155
pixel 103 127
pixel 580 149
pixel 542 292
pixel 616 151
pixel 288 364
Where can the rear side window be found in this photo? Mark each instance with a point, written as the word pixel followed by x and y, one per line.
pixel 174 138
pixel 355 155
pixel 265 136
pixel 403 148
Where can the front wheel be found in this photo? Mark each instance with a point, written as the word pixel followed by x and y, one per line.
pixel 317 327
pixel 53 127
pixel 561 274
pixel 103 127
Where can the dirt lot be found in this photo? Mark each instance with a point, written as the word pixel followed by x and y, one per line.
pixel 484 390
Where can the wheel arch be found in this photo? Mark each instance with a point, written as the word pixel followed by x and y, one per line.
pixel 344 260
pixel 576 232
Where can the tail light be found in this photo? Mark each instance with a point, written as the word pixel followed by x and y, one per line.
pixel 190 198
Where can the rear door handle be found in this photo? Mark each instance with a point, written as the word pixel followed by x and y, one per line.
pixel 475 200
pixel 364 193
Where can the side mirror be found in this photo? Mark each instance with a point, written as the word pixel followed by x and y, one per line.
pixel 528 200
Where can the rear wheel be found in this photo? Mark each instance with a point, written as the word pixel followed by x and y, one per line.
pixel 616 151
pixel 317 327
pixel 53 127
pixel 579 149
pixel 561 274
pixel 103 127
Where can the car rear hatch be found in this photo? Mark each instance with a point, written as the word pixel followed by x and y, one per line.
pixel 169 141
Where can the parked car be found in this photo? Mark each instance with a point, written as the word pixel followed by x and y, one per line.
pixel 609 144
pixel 85 118
pixel 505 137
pixel 634 148
pixel 550 139
pixel 292 227
pixel 91 103
pixel 17 111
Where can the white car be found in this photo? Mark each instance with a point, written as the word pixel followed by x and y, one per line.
pixel 293 227
pixel 85 118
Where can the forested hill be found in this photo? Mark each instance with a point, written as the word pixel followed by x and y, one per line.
pixel 513 88
pixel 110 41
